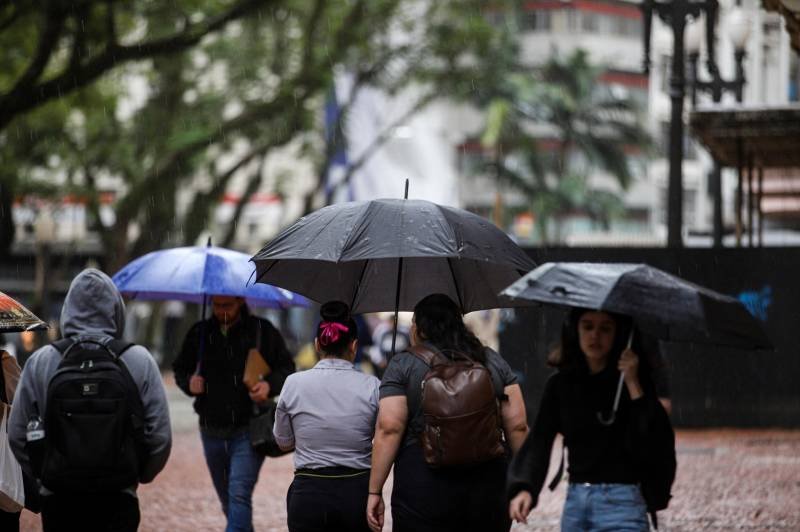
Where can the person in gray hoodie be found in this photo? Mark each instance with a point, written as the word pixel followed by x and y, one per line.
pixel 93 310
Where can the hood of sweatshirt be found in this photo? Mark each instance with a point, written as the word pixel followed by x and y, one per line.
pixel 93 306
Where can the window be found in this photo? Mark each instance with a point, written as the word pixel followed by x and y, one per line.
pixel 664 69
pixel 589 22
pixel 496 18
pixel 689 200
pixel 536 20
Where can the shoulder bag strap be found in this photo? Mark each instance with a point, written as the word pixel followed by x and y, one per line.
pixel 3 396
pixel 557 477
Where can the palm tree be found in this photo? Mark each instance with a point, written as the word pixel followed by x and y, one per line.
pixel 547 134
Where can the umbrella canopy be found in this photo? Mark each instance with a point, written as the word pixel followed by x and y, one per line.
pixel 192 273
pixel 14 317
pixel 353 252
pixel 668 307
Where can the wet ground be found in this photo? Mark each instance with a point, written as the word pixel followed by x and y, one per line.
pixel 727 480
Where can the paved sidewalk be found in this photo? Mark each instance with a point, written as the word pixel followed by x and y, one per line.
pixel 727 480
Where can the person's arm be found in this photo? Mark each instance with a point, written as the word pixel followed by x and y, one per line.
pixel 26 406
pixel 529 465
pixel 157 430
pixel 389 430
pixel 185 364
pixel 644 405
pixel 628 365
pixel 283 430
pixel 515 421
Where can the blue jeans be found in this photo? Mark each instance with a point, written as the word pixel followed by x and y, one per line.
pixel 604 508
pixel 234 468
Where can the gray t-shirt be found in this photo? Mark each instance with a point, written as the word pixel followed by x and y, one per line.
pixel 404 376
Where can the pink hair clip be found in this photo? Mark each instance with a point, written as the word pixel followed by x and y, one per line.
pixel 330 332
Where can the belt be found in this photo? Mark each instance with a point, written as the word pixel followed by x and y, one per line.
pixel 587 484
pixel 331 472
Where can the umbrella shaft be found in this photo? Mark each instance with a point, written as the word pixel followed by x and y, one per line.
pixel 621 378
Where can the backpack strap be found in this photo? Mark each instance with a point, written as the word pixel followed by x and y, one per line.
pixel 118 347
pixel 428 356
pixel 115 347
pixel 62 345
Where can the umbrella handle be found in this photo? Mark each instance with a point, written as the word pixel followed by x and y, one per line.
pixel 617 397
pixel 613 416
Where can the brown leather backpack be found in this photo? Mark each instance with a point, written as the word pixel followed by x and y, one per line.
pixel 461 411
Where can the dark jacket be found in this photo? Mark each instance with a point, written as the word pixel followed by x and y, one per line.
pixel 226 407
pixel 597 453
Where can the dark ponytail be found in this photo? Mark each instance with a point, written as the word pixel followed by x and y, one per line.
pixel 438 321
pixel 337 329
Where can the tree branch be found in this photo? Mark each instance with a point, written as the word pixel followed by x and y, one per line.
pixel 253 184
pixel 52 26
pixel 10 19
pixel 27 95
pixel 111 25
pixel 79 38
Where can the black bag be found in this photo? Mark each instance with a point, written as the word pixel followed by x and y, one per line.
pixel 94 421
pixel 261 436
pixel 658 469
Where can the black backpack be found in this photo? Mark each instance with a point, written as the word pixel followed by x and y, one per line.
pixel 94 422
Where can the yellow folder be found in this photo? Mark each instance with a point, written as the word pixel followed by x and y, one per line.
pixel 255 368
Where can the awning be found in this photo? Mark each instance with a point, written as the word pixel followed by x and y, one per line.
pixel 792 20
pixel 764 144
pixel 770 135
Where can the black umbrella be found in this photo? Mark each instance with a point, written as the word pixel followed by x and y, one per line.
pixel 387 254
pixel 666 306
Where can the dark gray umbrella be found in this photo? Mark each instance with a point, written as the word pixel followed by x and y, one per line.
pixel 353 252
pixel 666 306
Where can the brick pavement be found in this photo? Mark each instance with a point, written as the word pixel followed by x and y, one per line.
pixel 727 480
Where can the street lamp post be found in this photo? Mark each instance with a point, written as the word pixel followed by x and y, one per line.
pixel 675 13
pixel 739 31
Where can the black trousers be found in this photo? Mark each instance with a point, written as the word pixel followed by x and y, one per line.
pixel 114 512
pixel 468 499
pixel 328 503
pixel 9 521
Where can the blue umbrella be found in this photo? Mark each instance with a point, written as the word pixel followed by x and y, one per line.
pixel 193 273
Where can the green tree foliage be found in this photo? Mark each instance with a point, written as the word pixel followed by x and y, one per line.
pixel 547 132
pixel 226 82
